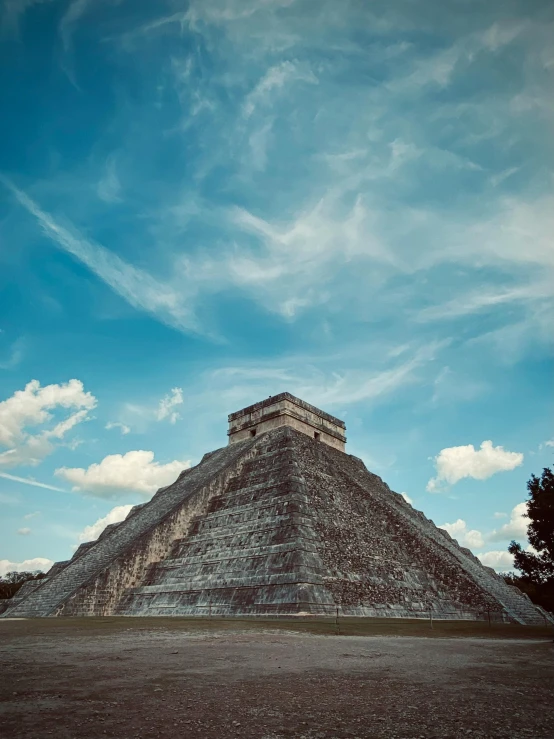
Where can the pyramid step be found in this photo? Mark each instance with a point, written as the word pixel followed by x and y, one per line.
pixel 294 561
pixel 210 528
pixel 263 534
pixel 207 583
pixel 255 553
pixel 293 501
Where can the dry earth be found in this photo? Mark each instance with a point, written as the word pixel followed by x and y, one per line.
pixel 81 682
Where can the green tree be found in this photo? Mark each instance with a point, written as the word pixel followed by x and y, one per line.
pixel 537 567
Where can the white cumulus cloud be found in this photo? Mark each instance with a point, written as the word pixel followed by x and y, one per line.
pixel 133 472
pixel 28 565
pixel 498 560
pixel 92 532
pixel 36 406
pixel 168 403
pixel 467 537
pixel 456 462
pixel 407 498
pixel 516 527
pixel 24 531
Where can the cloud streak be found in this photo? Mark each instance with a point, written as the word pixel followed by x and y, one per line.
pixel 137 287
pixel 326 382
pixel 275 79
pixel 30 481
pixel 75 11
pixel 124 429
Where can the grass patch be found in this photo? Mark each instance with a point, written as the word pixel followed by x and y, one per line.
pixel 351 626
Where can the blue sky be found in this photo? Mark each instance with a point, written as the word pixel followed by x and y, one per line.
pixel 205 203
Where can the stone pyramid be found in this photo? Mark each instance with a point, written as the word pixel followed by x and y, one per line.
pixel 279 522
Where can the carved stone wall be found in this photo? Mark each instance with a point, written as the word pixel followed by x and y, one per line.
pixel 287 410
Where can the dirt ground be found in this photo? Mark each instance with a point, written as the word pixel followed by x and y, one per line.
pixel 134 680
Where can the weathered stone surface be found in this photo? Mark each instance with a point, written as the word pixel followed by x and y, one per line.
pixel 286 410
pixel 277 524
pixel 94 580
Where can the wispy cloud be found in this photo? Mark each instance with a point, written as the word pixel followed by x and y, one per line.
pixel 349 220
pixel 259 142
pixel 518 234
pixel 28 516
pixel 167 405
pixel 324 382
pixel 30 481
pixel 117 425
pixel 275 79
pixel 75 11
pixel 438 69
pixel 359 386
pixel 290 267
pixel 137 287
pixel 14 355
pixel 204 12
pixel 9 499
pixel 13 10
pixel 499 178
pixel 109 186
pixel 480 301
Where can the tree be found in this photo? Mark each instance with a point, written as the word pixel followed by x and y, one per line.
pixel 12 581
pixel 537 567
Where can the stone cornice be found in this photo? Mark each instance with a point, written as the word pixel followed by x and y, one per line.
pixel 291 398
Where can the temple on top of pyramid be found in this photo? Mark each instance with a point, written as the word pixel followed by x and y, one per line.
pixel 286 410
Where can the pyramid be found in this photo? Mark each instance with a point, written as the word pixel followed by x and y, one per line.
pixel 280 522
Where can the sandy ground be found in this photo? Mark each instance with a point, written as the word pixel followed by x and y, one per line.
pixel 158 682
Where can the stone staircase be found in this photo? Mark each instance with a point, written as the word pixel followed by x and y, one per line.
pixel 50 596
pixel 548 616
pixel 252 550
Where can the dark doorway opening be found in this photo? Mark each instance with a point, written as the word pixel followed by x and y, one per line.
pixel 252 432
pixel 316 435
